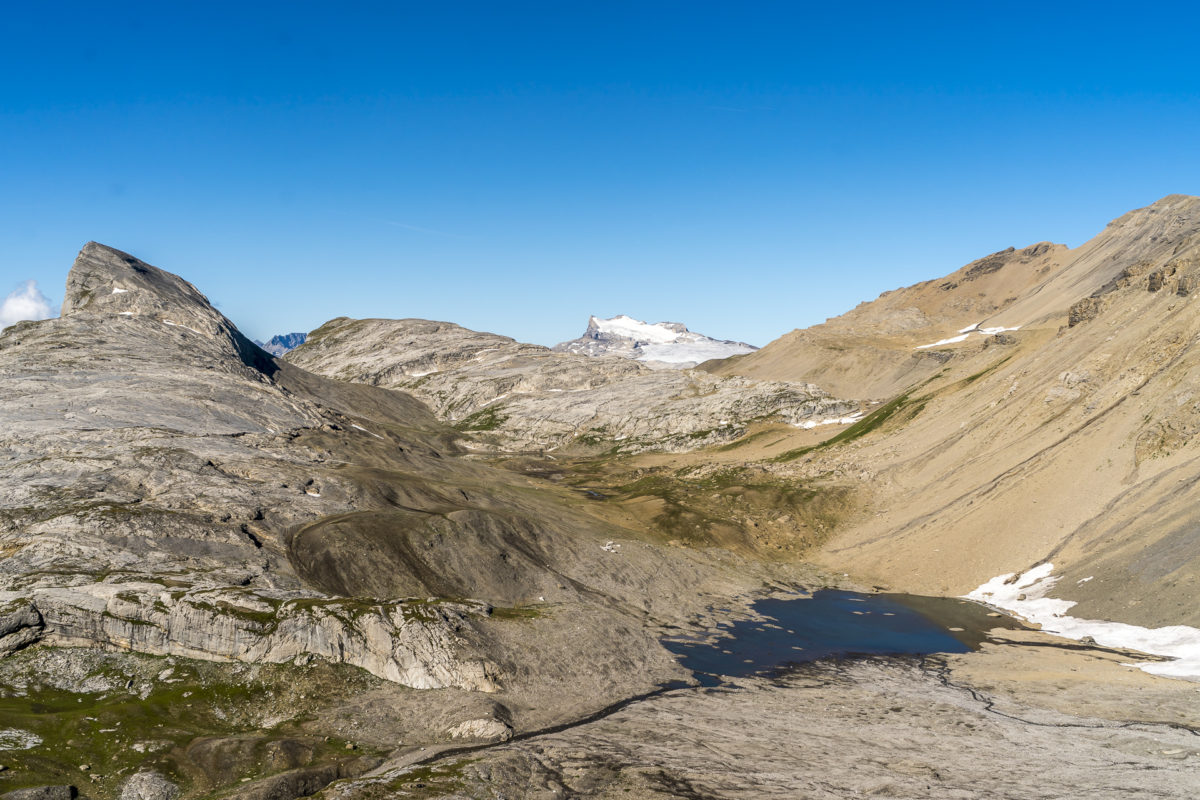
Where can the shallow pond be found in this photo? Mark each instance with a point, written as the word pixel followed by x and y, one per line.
pixel 833 623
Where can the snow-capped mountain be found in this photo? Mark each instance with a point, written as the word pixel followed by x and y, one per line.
pixel 668 343
pixel 278 345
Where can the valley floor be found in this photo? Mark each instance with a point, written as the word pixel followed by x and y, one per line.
pixel 1030 717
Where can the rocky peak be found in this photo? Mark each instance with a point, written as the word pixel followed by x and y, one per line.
pixel 665 343
pixel 104 280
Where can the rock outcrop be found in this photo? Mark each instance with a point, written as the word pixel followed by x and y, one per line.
pixel 149 785
pixel 42 793
pixel 414 643
pixel 20 626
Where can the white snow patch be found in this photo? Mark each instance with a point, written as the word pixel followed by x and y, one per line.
pixel 364 430
pixel 658 342
pixel 423 374
pixel 966 332
pixel 124 313
pixel 496 399
pixel 808 425
pixel 631 328
pixel 611 547
pixel 940 342
pixel 1179 642
pixel 185 327
pixel 17 739
pixel 118 290
pixel 685 352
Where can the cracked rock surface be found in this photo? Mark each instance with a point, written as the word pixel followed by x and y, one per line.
pixel 879 728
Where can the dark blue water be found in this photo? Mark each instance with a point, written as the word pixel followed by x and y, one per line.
pixel 836 624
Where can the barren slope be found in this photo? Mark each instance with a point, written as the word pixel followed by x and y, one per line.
pixel 1073 444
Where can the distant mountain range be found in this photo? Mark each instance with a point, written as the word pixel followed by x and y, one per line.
pixel 669 343
pixel 524 397
pixel 278 345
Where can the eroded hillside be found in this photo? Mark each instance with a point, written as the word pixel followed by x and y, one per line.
pixel 1068 440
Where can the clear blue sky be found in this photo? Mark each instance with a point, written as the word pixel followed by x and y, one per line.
pixel 745 168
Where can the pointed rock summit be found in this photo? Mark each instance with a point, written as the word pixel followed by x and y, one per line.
pixel 667 343
pixel 104 279
pixel 107 281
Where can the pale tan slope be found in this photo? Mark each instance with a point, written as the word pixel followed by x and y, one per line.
pixel 869 352
pixel 1136 241
pixel 1074 445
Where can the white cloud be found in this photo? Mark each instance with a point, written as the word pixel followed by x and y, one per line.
pixel 26 302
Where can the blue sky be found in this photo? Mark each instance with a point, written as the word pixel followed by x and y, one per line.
pixel 744 168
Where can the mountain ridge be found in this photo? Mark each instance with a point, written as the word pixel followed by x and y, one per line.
pixel 514 396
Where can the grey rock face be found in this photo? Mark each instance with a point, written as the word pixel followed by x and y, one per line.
pixel 857 730
pixel 414 645
pixel 149 786
pixel 487 728
pixel 520 396
pixel 20 626
pixel 42 793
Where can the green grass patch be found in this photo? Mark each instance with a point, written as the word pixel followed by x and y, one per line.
pixel 871 422
pixel 428 781
pixel 967 381
pixel 486 419
pixel 516 612
pixel 130 720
